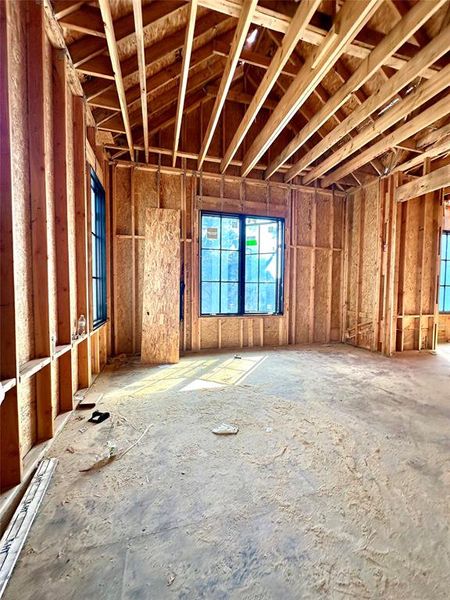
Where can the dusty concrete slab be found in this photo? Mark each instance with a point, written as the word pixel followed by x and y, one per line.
pixel 336 486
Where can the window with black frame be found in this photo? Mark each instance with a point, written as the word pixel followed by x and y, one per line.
pixel 444 278
pixel 242 264
pixel 98 227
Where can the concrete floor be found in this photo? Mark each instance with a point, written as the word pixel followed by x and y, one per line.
pixel 337 485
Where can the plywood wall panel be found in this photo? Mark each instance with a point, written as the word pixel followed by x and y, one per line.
pixel 161 292
pixel 193 193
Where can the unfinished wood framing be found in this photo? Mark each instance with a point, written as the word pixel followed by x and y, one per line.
pixel 176 109
pixel 44 228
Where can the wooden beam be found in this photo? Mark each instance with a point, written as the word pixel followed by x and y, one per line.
pixel 239 97
pixel 442 147
pixel 86 20
pixel 302 17
pixel 425 92
pixel 250 57
pixel 87 47
pixel 393 40
pixel 114 55
pixel 431 137
pixel 347 24
pixel 184 76
pixel 10 458
pixel 245 20
pixel 437 111
pixel 39 196
pixel 62 8
pixel 314 34
pixel 155 52
pixel 431 182
pixel 390 88
pixel 140 47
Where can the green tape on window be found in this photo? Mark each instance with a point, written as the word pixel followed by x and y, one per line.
pixel 251 242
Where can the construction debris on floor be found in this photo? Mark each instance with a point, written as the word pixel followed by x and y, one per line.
pixel 335 487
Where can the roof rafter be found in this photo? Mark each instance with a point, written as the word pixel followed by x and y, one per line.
pixel 346 25
pixel 114 55
pixel 425 118
pixel 315 34
pixel 184 76
pixel 140 48
pixel 423 93
pixel 395 38
pixel 302 17
pixel 245 20
pixel 157 51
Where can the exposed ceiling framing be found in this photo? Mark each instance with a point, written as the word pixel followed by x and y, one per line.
pixel 347 83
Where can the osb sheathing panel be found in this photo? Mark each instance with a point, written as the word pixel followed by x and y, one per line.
pixel 160 294
pixel 123 201
pixel 27 415
pixel 313 299
pixel 123 318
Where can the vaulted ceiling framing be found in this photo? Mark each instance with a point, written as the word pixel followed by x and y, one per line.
pixel 358 93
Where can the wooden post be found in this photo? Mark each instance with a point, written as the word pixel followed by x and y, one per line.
pixel 39 207
pixel 81 233
pixel 63 295
pixel 10 459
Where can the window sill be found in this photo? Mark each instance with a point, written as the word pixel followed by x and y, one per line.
pixel 248 316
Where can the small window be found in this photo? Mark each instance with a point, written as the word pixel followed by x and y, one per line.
pixel 241 264
pixel 98 226
pixel 444 287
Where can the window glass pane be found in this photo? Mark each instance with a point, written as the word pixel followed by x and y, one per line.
pixel 268 267
pixel 230 266
pixel 227 290
pixel 251 267
pixel 94 256
pixel 229 298
pixel 210 231
pixel 230 233
pixel 251 297
pixel 94 301
pixel 210 298
pixel 251 237
pixel 267 295
pixel 210 265
pixel 268 235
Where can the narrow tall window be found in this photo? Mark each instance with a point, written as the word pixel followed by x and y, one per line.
pixel 241 264
pixel 444 287
pixel 98 226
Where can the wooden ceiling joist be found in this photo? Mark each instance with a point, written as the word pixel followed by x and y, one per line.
pixel 431 182
pixel 314 34
pixel 245 20
pixel 184 76
pixel 423 93
pixel 347 24
pixel 393 40
pixel 425 118
pixel 114 55
pixel 301 19
pixel 140 48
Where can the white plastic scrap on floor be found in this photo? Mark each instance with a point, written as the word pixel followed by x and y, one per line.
pixel 16 533
pixel 225 429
